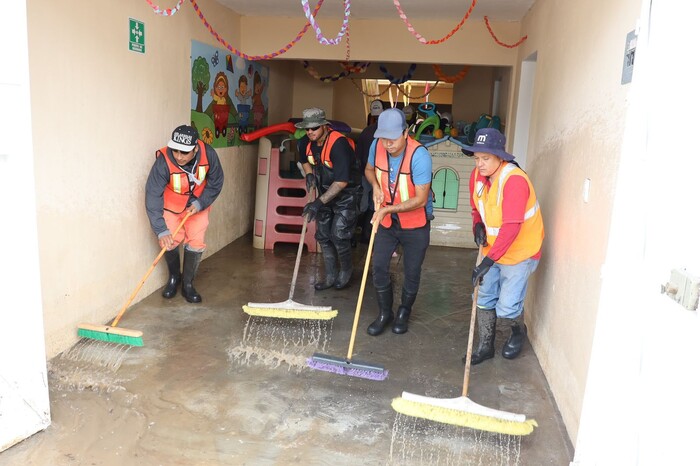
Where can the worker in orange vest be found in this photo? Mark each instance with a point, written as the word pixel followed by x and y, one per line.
pixel 328 160
pixel 186 177
pixel 507 224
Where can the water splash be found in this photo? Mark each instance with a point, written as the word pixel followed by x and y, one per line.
pixel 273 342
pixel 418 441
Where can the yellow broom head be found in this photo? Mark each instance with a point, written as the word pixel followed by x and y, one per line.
pixel 290 310
pixel 464 413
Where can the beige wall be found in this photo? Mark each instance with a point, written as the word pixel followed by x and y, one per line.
pixel 576 132
pixel 99 113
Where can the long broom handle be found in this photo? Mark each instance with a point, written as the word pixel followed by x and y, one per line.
pixel 143 280
pixel 468 362
pixel 301 245
pixel 362 290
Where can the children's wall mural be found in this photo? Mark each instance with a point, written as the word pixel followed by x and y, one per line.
pixel 229 95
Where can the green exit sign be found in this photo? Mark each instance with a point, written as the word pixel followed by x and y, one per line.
pixel 137 36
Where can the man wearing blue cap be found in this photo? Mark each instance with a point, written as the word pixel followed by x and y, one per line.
pixel 400 171
pixel 507 224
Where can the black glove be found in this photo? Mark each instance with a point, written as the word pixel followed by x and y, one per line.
pixel 480 234
pixel 480 270
pixel 311 209
pixel 310 182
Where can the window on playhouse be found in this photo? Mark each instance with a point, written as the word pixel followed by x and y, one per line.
pixel 446 189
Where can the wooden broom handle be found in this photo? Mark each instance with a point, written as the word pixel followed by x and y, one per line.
pixel 143 280
pixel 468 362
pixel 301 246
pixel 362 290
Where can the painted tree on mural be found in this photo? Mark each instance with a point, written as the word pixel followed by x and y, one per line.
pixel 200 79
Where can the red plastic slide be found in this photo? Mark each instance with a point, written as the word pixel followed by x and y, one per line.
pixel 257 134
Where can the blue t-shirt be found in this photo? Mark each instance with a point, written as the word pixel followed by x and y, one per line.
pixel 421 169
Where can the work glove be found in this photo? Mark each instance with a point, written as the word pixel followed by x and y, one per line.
pixel 480 270
pixel 480 234
pixel 310 182
pixel 311 209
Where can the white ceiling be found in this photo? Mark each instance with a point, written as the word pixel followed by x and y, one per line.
pixel 415 10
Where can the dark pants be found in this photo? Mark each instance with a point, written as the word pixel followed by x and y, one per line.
pixel 415 243
pixel 335 222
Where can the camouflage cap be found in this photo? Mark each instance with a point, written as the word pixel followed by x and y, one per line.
pixel 312 118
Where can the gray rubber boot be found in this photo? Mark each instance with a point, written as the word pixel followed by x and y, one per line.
pixel 172 258
pixel 514 345
pixel 404 312
pixel 385 299
pixel 486 324
pixel 189 270
pixel 329 259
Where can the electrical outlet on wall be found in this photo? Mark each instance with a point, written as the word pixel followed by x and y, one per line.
pixel 684 288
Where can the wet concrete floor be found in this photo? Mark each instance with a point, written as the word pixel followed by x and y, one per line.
pixel 215 386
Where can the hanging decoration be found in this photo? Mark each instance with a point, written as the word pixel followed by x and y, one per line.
pixel 356 69
pixel 450 79
pixel 347 44
pixel 335 77
pixel 367 94
pixel 422 39
pixel 401 80
pixel 510 46
pixel 425 94
pixel 168 11
pixel 238 53
pixel 319 35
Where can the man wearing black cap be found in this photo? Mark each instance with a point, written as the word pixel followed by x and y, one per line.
pixel 507 224
pixel 186 177
pixel 328 158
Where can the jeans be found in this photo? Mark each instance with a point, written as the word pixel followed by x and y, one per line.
pixel 504 288
pixel 415 244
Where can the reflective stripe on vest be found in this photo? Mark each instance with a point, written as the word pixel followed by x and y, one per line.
pixel 488 202
pixel 177 192
pixel 404 185
pixel 326 150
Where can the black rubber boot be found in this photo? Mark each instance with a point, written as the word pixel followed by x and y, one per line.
pixel 343 280
pixel 514 345
pixel 189 270
pixel 385 299
pixel 486 324
pixel 331 272
pixel 404 312
pixel 172 258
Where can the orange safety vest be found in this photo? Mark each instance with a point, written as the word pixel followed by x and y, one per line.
pixel 326 151
pixel 177 192
pixel 488 202
pixel 404 185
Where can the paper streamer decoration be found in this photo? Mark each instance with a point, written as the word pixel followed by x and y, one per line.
pixel 319 35
pixel 422 39
pixel 510 46
pixel 168 11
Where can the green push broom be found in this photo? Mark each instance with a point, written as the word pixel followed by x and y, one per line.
pixel 347 366
pixel 462 411
pixel 290 309
pixel 124 336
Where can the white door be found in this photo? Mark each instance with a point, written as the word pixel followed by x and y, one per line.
pixel 24 394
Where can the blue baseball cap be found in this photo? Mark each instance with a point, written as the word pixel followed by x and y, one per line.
pixel 490 141
pixel 391 124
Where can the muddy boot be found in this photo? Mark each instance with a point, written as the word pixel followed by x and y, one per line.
pixel 189 270
pixel 343 280
pixel 514 345
pixel 487 334
pixel 404 311
pixel 385 299
pixel 172 258
pixel 331 272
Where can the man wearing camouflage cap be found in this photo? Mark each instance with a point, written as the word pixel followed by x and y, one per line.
pixel 328 159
